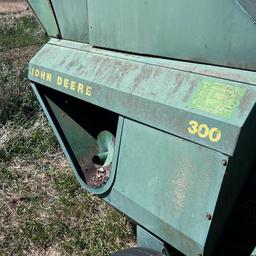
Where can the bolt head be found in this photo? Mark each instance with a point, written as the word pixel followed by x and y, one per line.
pixel 209 216
pixel 224 162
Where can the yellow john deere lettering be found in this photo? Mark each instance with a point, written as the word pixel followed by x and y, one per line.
pixel 204 131
pixel 63 82
pixel 47 76
pixel 74 86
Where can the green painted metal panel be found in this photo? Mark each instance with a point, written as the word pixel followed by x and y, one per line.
pixel 175 176
pixel 243 76
pixel 147 240
pixel 168 185
pixel 45 15
pixel 149 92
pixel 180 172
pixel 217 32
pixel 72 17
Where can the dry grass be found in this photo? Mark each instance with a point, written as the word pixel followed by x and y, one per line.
pixel 43 210
pixel 16 99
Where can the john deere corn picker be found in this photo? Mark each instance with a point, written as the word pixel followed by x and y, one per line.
pixel 153 103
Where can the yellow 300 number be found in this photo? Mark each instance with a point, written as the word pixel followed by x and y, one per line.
pixel 203 131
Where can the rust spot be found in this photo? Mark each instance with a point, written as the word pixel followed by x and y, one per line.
pixel 179 78
pixel 80 67
pixel 72 63
pixel 101 68
pixel 144 75
pixel 193 83
pixel 157 72
pixel 118 72
pixel 49 4
pixel 111 70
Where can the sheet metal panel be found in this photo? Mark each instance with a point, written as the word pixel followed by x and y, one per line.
pixel 45 15
pixel 159 96
pixel 243 76
pixel 217 32
pixel 168 185
pixel 72 17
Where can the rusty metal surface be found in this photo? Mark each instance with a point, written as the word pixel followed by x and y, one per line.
pixel 146 91
pixel 243 76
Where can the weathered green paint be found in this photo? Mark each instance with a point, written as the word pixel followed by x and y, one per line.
pixel 217 98
pixel 179 186
pixel 172 191
pixel 235 75
pixel 147 240
pixel 217 32
pixel 173 188
pixel 72 17
pixel 150 93
pixel 45 16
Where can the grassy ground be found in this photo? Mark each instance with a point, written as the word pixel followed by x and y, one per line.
pixel 43 210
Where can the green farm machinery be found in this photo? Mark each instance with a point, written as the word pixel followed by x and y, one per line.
pixel 153 103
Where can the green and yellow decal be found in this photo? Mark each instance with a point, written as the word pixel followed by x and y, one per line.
pixel 217 98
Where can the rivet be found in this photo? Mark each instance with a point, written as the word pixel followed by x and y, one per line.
pixel 208 216
pixel 224 162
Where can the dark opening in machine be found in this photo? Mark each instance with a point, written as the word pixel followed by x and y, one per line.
pixel 88 133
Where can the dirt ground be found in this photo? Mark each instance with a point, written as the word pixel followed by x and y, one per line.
pixel 17 6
